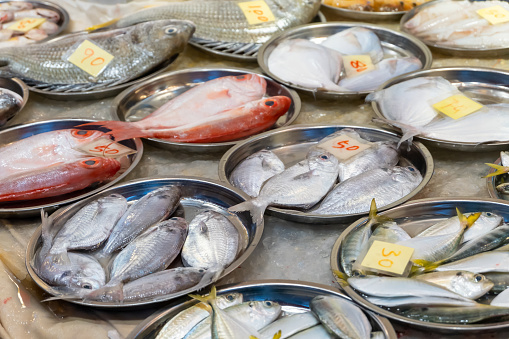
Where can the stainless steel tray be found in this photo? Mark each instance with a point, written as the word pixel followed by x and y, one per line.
pixel 414 217
pixel 456 51
pixel 485 85
pixel 17 86
pixel 291 145
pixel 294 297
pixel 139 101
pixel 241 56
pixel 493 182
pixel 27 208
pixel 395 44
pixel 198 195
pixel 364 16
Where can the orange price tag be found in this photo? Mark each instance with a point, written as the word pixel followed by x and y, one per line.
pixel 26 24
pixel 357 64
pixel 457 106
pixel 90 58
pixel 495 15
pixel 344 147
pixel 106 148
pixel 387 257
pixel 256 12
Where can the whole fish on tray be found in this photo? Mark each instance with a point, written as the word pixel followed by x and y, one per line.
pixel 136 50
pixel 10 103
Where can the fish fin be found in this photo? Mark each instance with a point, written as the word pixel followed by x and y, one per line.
pixel 104 24
pixel 408 131
pixel 206 299
pixel 238 48
pixel 277 335
pixel 499 170
pixel 107 293
pixel 45 233
pixel 119 130
pixel 472 218
pixel 373 213
pixel 424 266
pixel 342 278
pixel 256 209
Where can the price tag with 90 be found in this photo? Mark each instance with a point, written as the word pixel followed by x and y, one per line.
pixel 344 147
pixel 256 12
pixel 495 15
pixel 457 106
pixel 90 58
pixel 388 258
pixel 107 148
pixel 357 64
pixel 25 24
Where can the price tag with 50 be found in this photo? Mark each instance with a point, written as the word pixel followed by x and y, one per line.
pixel 388 258
pixel 357 64
pixel 90 58
pixel 256 12
pixel 106 148
pixel 344 147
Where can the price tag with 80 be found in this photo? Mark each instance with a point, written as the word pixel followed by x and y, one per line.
pixel 90 58
pixel 344 146
pixel 256 12
pixel 357 64
pixel 389 258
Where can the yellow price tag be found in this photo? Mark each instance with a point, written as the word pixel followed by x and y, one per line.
pixel 357 64
pixel 26 24
pixel 106 148
pixel 387 257
pixel 256 12
pixel 344 147
pixel 495 15
pixel 457 106
pixel 90 58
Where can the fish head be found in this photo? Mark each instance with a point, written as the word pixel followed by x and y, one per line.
pixel 323 161
pixel 230 299
pixel 164 36
pixel 248 85
pixel 82 136
pixel 472 285
pixel 408 174
pixel 265 309
pixel 490 218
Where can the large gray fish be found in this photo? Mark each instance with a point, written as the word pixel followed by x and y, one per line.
pixel 467 284
pixel 212 241
pixel 253 171
pixel 456 315
pixel 384 185
pixel 289 325
pixel 300 186
pixel 10 103
pixel 150 209
pixel 136 50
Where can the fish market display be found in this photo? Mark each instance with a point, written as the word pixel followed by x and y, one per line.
pixel 440 287
pixel 374 5
pixel 458 24
pixel 501 169
pixel 109 252
pixel 414 114
pixel 136 50
pixel 321 66
pixel 10 104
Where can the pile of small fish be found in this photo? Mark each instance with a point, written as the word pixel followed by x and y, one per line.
pixel 502 169
pixel 114 251
pixel 222 109
pixel 14 11
pixel 452 23
pixel 320 66
pixel 409 106
pixel 10 104
pixel 310 184
pixel 375 5
pixel 455 250
pixel 328 317
pixel 136 50
pixel 51 164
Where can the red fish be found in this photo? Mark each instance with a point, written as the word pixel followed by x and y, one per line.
pixel 58 179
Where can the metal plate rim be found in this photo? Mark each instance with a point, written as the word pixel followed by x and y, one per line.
pixel 25 94
pixel 490 182
pixel 365 15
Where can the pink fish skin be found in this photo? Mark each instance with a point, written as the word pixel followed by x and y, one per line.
pixel 58 179
pixel 198 103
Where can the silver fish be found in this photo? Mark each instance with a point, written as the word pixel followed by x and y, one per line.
pixel 467 284
pixel 136 50
pixel 355 194
pixel 500 281
pixel 212 241
pixel 90 275
pixel 341 317
pixel 253 171
pixel 315 332
pixel 289 325
pixel 150 209
pixel 418 301
pixel 501 300
pixel 10 103
pixel 456 315
pixel 495 261
pixel 300 186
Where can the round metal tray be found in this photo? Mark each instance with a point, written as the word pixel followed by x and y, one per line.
pixel 493 182
pixel 365 16
pixel 17 86
pixel 395 44
pixel 198 195
pixel 291 145
pixel 414 217
pixel 293 296
pixel 241 56
pixel 485 85
pixel 25 208
pixel 455 51
pixel 144 98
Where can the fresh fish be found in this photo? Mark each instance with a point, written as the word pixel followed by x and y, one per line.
pixel 500 281
pixel 304 63
pixel 384 185
pixel 389 232
pixel 10 103
pixel 300 186
pixel 45 149
pixel 45 13
pixel 384 70
pixel 501 169
pixel 194 105
pixel 289 325
pixel 136 50
pixel 36 34
pixel 356 41
pixel 501 300
pixel 49 27
pixel 150 252
pixel 58 179
pixel 467 284
pixel 181 324
pixel 315 332
pixel 341 317
pixel 503 188
pixel 89 276
pixel 147 211
pixel 456 315
pixel 495 261
pixel 253 171
pixel 16 6
pixel 212 241
pixel 418 301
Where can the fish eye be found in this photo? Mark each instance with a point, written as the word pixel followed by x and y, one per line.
pixel 268 303
pixel 230 297
pixel 478 277
pixel 324 157
pixel 81 134
pixel 411 169
pixel 240 77
pixel 489 214
pixel 269 103
pixel 90 162
pixel 459 274
pixel 87 286
pixel 170 30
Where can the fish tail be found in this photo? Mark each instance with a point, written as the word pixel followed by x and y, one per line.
pixel 119 130
pixel 373 213
pixel 104 24
pixel 423 266
pixel 253 206
pixel 408 131
pixel 342 278
pixel 472 218
pixel 499 170
pixel 107 293
pixel 45 234
pixel 206 299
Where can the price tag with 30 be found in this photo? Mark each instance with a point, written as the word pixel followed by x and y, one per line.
pixel 344 147
pixel 495 15
pixel 457 106
pixel 388 258
pixel 106 148
pixel 256 12
pixel 90 58
pixel 357 64
pixel 26 24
